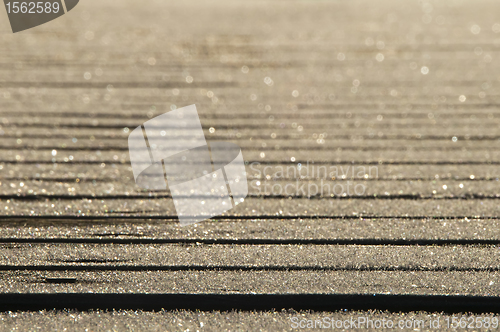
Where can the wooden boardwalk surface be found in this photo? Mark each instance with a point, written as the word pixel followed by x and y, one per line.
pixel 381 117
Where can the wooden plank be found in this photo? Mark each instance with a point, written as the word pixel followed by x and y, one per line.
pixel 163 320
pixel 256 257
pixel 349 230
pixel 239 281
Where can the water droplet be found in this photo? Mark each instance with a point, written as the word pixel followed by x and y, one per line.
pixel 475 29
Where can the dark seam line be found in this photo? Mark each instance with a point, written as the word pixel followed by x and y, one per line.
pixel 277 115
pixel 283 179
pixel 196 241
pixel 288 137
pixel 223 126
pixel 257 217
pixel 250 302
pixel 242 268
pixel 333 162
pixel 22 197
pixel 235 116
pixel 246 149
pixel 128 85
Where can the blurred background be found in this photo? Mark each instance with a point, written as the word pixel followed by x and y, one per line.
pixel 393 84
